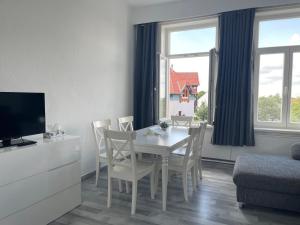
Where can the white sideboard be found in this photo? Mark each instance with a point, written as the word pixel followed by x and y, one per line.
pixel 40 182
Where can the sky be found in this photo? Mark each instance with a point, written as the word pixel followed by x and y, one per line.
pixel 282 32
pixel 188 41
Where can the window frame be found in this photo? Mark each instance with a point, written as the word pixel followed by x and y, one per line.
pixel 166 29
pixel 288 52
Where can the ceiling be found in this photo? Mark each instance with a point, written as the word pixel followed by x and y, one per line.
pixel 149 2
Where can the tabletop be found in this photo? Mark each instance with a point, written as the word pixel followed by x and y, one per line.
pixel 155 137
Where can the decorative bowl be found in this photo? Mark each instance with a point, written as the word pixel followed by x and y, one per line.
pixel 164 125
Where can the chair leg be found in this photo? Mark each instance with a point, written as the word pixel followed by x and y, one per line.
pixel 120 185
pixel 127 187
pixel 152 184
pixel 194 172
pixel 184 184
pixel 157 172
pixel 200 169
pixel 109 192
pixel 98 166
pixel 134 197
pixel 140 156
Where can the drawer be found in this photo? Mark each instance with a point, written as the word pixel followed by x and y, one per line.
pixel 21 163
pixel 63 153
pixel 21 194
pixel 47 210
pixel 64 177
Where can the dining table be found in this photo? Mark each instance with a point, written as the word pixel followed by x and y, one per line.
pixel 162 142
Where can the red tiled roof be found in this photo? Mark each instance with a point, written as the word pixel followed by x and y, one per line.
pixel 178 81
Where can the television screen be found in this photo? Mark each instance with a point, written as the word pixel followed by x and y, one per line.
pixel 21 114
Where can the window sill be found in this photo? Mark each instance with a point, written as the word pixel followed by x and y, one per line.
pixel 271 131
pixel 277 131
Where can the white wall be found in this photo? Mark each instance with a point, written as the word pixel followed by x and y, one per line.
pixel 196 8
pixel 77 52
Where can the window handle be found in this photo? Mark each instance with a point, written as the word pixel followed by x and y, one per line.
pixel 285 90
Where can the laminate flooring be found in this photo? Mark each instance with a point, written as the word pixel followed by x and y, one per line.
pixel 214 203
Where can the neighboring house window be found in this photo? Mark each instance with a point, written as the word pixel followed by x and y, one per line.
pixel 277 70
pixel 184 67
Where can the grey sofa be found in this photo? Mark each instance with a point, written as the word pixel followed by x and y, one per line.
pixel 269 181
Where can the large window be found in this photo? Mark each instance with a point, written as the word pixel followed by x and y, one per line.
pixel 277 72
pixel 184 68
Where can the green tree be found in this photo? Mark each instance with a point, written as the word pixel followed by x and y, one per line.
pixel 199 95
pixel 269 108
pixel 295 110
pixel 202 112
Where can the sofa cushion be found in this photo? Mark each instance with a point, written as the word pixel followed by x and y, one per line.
pixel 295 151
pixel 267 172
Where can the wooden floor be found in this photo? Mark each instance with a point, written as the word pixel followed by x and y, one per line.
pixel 213 203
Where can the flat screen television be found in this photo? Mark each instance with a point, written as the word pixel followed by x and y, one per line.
pixel 21 114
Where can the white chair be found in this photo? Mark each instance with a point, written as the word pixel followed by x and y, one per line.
pixel 183 121
pixel 181 151
pixel 125 123
pixel 203 126
pixel 98 128
pixel 129 169
pixel 188 162
pixel 101 156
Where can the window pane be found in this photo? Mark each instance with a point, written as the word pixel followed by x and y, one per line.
pixel 295 97
pixel 188 82
pixel 270 88
pixel 192 41
pixel 283 32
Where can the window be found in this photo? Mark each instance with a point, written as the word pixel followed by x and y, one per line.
pixel 184 68
pixel 270 87
pixel 279 32
pixel 277 72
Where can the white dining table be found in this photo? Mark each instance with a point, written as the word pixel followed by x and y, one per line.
pixel 154 140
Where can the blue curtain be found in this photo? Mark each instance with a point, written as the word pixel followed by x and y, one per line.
pixel 145 76
pixel 233 122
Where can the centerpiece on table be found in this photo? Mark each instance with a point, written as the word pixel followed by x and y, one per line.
pixel 164 125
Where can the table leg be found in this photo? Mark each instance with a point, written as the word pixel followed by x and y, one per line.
pixel 164 173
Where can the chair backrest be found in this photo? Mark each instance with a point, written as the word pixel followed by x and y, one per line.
pixel 203 126
pixel 119 146
pixel 184 121
pixel 125 123
pixel 195 143
pixel 98 129
pixel 192 146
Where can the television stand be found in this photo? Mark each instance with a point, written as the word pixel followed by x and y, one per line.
pixel 39 183
pixel 16 142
